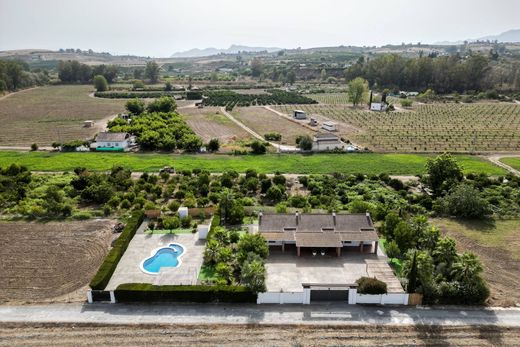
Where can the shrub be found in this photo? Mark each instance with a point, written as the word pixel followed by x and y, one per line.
pixel 406 102
pixel 100 83
pixel 273 136
pixel 107 268
pixel 304 142
pixel 144 292
pixel 186 222
pixel 135 106
pixel 258 147
pixel 369 285
pixel 34 147
pixel 213 145
pixel 171 223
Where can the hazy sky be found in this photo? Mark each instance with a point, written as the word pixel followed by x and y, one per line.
pixel 161 27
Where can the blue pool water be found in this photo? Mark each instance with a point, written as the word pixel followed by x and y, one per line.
pixel 163 257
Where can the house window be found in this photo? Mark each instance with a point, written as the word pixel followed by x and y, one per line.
pixel 116 144
pixel 109 144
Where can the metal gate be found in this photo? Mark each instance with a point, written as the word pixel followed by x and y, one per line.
pixel 329 295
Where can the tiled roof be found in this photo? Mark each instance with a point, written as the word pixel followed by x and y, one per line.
pixel 113 137
pixel 317 230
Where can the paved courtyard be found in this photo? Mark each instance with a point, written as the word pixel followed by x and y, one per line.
pixel 142 245
pixel 287 272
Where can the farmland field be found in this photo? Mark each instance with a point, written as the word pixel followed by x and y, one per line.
pixel 430 128
pixel 264 121
pixel 330 98
pixel 369 163
pixel 27 334
pixel 50 261
pixel 52 113
pixel 209 123
pixel 497 244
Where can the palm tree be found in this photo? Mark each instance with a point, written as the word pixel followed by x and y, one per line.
pixel 466 268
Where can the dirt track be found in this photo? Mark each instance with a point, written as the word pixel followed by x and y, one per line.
pixel 254 335
pixel 52 261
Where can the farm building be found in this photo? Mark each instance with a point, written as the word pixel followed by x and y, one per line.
pixel 319 257
pixel 378 106
pixel 106 141
pixel 327 142
pixel 299 114
pixel 88 123
pixel 329 126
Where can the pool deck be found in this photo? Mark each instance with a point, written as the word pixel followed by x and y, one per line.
pixel 143 246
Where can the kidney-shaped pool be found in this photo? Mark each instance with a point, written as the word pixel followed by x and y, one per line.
pixel 163 257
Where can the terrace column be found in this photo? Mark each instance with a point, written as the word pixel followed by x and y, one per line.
pixel 361 247
pixel 338 251
pixel 283 247
pixel 298 251
pixel 377 245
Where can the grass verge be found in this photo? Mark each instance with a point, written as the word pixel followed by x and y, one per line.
pixel 373 163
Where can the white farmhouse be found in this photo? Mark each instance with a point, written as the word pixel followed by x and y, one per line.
pixel 107 141
pixel 299 114
pixel 329 126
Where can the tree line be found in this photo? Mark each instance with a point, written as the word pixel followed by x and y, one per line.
pixel 15 75
pixel 443 74
pixel 72 71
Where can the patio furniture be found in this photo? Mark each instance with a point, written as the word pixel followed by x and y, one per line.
pixel 314 252
pixel 322 252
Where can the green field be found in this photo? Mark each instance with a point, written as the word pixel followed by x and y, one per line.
pixel 513 162
pixel 370 163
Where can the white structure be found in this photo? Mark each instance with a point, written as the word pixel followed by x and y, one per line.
pixel 327 142
pixel 203 229
pixel 183 212
pixel 299 114
pixel 329 126
pixel 377 106
pixel 88 123
pixel 333 292
pixel 107 141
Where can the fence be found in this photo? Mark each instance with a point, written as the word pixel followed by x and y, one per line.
pixel 383 299
pixel 280 298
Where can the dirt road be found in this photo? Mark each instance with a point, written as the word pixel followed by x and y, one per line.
pixel 495 159
pixel 252 335
pixel 283 148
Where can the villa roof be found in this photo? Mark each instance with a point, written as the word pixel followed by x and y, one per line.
pixel 317 230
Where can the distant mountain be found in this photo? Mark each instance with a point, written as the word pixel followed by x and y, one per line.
pixel 233 49
pixel 508 36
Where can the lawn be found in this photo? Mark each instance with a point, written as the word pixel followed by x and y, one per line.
pixel 513 162
pixel 370 163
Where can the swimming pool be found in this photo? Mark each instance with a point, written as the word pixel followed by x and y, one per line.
pixel 163 257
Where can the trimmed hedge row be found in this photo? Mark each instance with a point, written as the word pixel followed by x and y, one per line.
pixel 215 222
pixel 133 95
pixel 145 292
pixel 106 270
pixel 274 97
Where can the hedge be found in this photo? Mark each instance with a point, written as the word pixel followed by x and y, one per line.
pixel 215 222
pixel 145 292
pixel 369 285
pixel 106 270
pixel 133 95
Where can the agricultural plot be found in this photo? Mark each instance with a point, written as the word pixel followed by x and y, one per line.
pixel 53 113
pixel 52 260
pixel 497 245
pixel 264 121
pixel 209 123
pixel 431 128
pixel 330 98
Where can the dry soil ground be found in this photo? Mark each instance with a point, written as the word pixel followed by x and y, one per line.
pixel 498 247
pixel 209 123
pixel 50 262
pixel 264 121
pixel 253 335
pixel 52 113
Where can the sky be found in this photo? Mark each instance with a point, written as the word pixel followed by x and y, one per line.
pixel 159 28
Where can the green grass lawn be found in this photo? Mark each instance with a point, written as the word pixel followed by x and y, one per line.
pixel 501 234
pixel 370 163
pixel 513 162
pixel 167 231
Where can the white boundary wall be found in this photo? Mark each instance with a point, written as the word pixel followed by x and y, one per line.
pixel 383 299
pixel 280 298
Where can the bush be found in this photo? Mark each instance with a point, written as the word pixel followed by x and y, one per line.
pixel 406 102
pixel 107 268
pixel 135 106
pixel 144 292
pixel 186 222
pixel 369 285
pixel 34 147
pixel 304 142
pixel 171 223
pixel 100 83
pixel 213 145
pixel 258 147
pixel 273 136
